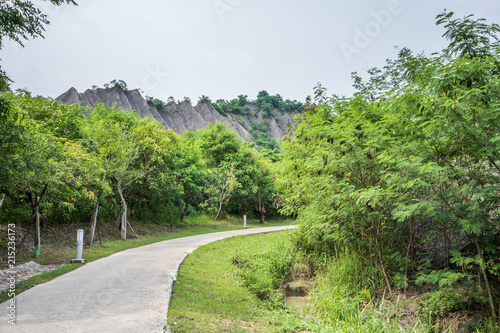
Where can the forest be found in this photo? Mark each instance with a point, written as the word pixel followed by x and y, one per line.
pixel 59 166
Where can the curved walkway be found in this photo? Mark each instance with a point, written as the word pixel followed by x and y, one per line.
pixel 126 292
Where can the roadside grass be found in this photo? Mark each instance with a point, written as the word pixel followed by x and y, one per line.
pixel 58 255
pixel 233 285
pixel 212 292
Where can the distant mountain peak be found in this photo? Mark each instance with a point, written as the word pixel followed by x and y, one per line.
pixel 180 117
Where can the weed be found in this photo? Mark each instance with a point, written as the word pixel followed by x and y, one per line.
pixel 440 303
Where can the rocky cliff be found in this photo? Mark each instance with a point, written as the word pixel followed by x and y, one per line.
pixel 180 117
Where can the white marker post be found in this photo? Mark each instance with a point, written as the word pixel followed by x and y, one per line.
pixel 244 222
pixel 79 247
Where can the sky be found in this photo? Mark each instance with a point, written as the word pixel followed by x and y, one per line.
pixel 225 48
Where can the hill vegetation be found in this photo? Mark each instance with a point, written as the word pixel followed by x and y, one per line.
pixel 266 105
pixel 254 115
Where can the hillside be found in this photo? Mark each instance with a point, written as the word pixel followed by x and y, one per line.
pixel 182 116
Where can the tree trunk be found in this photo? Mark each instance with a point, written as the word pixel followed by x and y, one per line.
pixel 183 211
pixel 381 258
pixel 123 214
pixel 223 196
pixel 1 199
pixel 486 281
pixel 260 208
pixel 262 215
pixel 216 216
pixel 93 220
pixel 36 215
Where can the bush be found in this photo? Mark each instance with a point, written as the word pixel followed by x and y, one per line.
pixel 157 103
pixel 440 303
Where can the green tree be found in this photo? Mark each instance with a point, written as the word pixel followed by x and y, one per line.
pixel 469 38
pixel 189 171
pixel 117 84
pixel 268 109
pixel 205 99
pixel 242 100
pixel 36 155
pixel 218 143
pixel 221 183
pixel 246 173
pixel 265 186
pixel 154 195
pixel 262 93
pixel 130 147
pixel 414 150
pixel 157 103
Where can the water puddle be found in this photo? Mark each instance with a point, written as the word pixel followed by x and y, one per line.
pixel 296 294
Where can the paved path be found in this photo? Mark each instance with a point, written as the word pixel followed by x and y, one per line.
pixel 126 292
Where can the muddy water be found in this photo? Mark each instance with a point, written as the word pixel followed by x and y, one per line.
pixel 296 294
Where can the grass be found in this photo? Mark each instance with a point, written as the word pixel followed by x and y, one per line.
pixel 216 297
pixel 237 292
pixel 342 300
pixel 63 254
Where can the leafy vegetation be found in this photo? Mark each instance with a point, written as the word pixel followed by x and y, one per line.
pixel 264 102
pixel 117 84
pixel 265 105
pixel 157 103
pixel 405 174
pixel 61 167
pixel 264 267
pixel 395 187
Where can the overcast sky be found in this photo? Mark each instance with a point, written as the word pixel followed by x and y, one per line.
pixel 224 48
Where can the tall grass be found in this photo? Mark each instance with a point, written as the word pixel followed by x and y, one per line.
pixel 341 299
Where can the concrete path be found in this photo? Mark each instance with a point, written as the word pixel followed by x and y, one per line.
pixel 126 292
